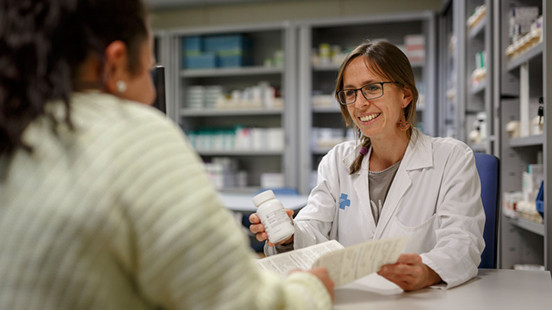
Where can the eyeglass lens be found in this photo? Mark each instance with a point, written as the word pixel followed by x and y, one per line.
pixel 370 91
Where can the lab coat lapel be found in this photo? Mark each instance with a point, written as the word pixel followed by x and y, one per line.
pixel 418 155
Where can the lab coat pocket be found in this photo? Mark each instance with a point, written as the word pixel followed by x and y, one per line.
pixel 421 238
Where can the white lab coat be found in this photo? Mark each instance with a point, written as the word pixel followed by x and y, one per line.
pixel 434 200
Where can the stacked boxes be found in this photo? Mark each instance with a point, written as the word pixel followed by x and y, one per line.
pixel 520 21
pixel 223 51
pixel 194 55
pixel 415 48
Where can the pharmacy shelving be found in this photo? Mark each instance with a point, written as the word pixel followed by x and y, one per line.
pixel 466 74
pixel 235 98
pixel 479 109
pixel 450 70
pixel 523 77
pixel 323 43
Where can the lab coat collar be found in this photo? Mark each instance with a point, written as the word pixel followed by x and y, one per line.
pixel 418 155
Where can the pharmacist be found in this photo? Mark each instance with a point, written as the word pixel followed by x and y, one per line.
pixel 393 181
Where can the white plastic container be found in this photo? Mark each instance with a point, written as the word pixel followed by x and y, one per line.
pixel 278 225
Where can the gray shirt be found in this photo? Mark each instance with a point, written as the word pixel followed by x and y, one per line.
pixel 378 185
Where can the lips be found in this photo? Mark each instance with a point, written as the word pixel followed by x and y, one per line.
pixel 370 117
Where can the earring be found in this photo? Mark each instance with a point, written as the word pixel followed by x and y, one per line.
pixel 121 86
pixel 403 125
pixel 359 133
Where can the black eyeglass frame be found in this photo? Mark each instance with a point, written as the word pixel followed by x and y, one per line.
pixel 363 94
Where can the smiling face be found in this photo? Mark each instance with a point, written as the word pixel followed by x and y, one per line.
pixel 376 118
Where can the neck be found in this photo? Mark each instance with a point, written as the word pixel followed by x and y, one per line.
pixel 88 75
pixel 385 153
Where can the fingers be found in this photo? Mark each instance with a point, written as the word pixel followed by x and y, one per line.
pixel 257 228
pixel 409 273
pixel 290 213
pixel 410 258
pixel 322 274
pixel 254 218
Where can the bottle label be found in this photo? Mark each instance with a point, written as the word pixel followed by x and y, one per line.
pixel 277 225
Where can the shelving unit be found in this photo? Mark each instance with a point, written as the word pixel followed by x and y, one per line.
pixel 450 71
pixel 318 78
pixel 521 80
pixel 479 97
pixel 262 43
pixel 466 74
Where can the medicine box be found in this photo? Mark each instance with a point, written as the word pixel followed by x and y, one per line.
pixel 233 50
pixel 192 45
pixel 202 61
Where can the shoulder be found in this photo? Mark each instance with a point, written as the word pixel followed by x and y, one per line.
pixel 447 145
pixel 445 151
pixel 344 151
pixel 106 112
pixel 113 123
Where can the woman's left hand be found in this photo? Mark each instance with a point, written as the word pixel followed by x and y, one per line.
pixel 410 273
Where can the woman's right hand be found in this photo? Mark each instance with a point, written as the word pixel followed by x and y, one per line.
pixel 258 229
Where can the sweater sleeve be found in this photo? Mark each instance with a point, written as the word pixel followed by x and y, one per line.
pixel 189 251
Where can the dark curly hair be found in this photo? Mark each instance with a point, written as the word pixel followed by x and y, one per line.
pixel 43 42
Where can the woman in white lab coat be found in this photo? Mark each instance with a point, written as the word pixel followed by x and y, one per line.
pixel 393 181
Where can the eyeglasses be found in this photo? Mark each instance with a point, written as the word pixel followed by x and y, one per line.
pixel 369 91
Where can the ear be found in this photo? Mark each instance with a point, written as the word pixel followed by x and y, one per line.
pixel 115 65
pixel 407 97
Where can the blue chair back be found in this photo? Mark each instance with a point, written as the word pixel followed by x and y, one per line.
pixel 487 167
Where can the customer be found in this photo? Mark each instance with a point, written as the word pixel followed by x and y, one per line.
pixel 102 201
pixel 395 181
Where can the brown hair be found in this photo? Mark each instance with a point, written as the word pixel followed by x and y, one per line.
pixel 387 61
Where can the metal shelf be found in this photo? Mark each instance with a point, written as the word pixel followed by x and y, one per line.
pixel 329 67
pixel 479 88
pixel 528 225
pixel 334 109
pixel 478 28
pixel 527 141
pixel 239 71
pixel 232 112
pixel 526 56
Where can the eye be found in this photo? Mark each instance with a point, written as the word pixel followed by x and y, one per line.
pixel 372 88
pixel 349 92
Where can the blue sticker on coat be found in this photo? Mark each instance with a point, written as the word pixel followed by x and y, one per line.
pixel 344 201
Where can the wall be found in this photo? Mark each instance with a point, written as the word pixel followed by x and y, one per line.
pixel 273 11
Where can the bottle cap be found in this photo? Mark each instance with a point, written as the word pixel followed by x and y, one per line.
pixel 262 197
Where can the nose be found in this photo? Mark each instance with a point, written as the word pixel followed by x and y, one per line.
pixel 360 99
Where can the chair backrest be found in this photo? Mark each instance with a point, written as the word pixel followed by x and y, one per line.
pixel 488 169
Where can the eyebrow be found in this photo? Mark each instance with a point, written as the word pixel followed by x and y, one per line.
pixel 363 84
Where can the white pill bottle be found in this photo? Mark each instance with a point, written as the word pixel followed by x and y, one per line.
pixel 278 225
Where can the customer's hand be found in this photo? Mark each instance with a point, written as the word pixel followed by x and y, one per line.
pixel 259 230
pixel 410 273
pixel 322 274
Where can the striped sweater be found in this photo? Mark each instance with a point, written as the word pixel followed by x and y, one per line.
pixel 119 214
